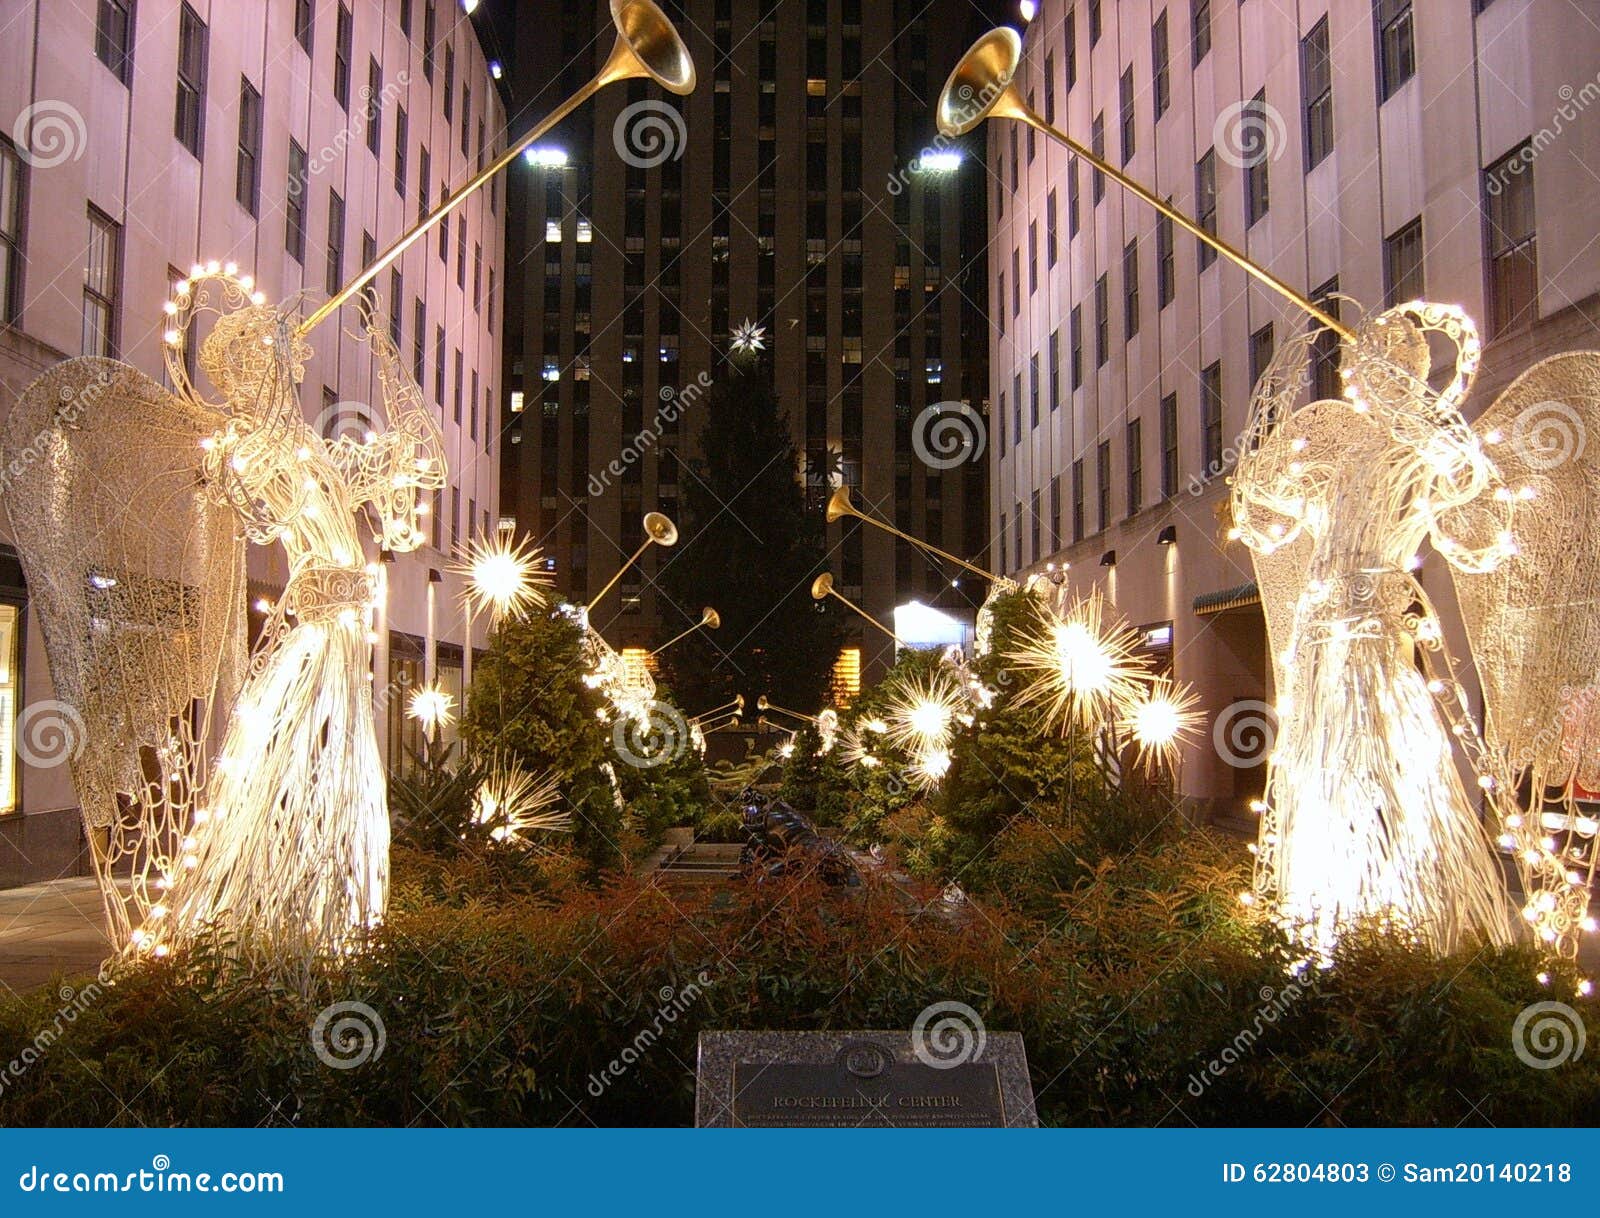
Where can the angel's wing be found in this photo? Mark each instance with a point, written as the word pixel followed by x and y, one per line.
pixel 136 574
pixel 1533 621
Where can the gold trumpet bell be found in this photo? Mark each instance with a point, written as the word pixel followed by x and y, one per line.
pixel 657 526
pixel 648 45
pixel 821 586
pixel 710 618
pixel 839 505
pixel 982 84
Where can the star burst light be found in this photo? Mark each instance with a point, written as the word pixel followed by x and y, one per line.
pixel 924 711
pixel 748 338
pixel 431 707
pixel 1161 721
pixel 1083 669
pixel 501 575
pixel 513 803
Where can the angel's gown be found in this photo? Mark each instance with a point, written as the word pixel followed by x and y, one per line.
pixel 1366 813
pixel 292 857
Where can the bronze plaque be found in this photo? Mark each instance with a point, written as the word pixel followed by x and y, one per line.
pixel 865 1086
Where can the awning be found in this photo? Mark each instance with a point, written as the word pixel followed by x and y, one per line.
pixel 1228 598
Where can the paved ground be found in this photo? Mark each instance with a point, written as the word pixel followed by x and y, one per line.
pixel 50 928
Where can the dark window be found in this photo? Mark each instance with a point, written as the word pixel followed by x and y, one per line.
pixel 1055 513
pixel 1166 263
pixel 466 118
pixel 335 269
pixel 11 203
pixel 1073 215
pixel 1316 86
pixel 405 17
pixel 1135 468
pixel 1200 28
pixel 1102 478
pixel 113 37
pixel 1050 229
pixel 430 22
pixel 1130 289
pixel 1069 40
pixel 1211 419
pixel 189 118
pixel 1261 345
pixel 247 175
pixel 1256 196
pixel 1050 87
pixel 1513 240
pixel 424 171
pixel 1077 500
pixel 438 365
pixel 419 341
pixel 1402 265
pixel 1033 257
pixel 294 214
pixel 1016 408
pixel 1097 145
pixel 1169 446
pixel 449 91
pixel 401 132
pixel 1033 527
pixel 102 283
pixel 1033 390
pixel 374 115
pixel 305 12
pixel 343 37
pixel 1397 53
pixel 1102 321
pixel 1095 24
pixel 1325 348
pixel 1075 328
pixel 1205 203
pixel 1161 59
pixel 1055 369
pixel 1016 282
pixel 1125 101
pixel 397 285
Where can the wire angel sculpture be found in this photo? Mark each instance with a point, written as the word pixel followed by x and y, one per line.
pixel 1384 800
pixel 140 503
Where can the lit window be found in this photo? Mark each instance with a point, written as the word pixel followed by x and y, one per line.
pixel 552 231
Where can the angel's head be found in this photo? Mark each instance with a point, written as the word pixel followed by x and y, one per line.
pixel 250 348
pixel 1391 361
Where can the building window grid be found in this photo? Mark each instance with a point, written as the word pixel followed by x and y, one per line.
pixel 247 175
pixel 1316 87
pixel 188 123
pixel 102 274
pixel 1397 53
pixel 1135 457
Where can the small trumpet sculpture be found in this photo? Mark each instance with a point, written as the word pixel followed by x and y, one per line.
pixel 137 512
pixel 710 619
pixel 1365 814
pixel 822 587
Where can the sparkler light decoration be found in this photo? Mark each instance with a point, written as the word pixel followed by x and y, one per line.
pixel 1081 667
pixel 502 575
pixel 432 707
pixel 748 338
pixel 1161 720
pixel 514 804
pixel 1365 813
pixel 924 711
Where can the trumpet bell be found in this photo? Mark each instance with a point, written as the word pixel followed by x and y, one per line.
pixel 648 45
pixel 982 85
pixel 710 618
pixel 839 504
pixel 821 586
pixel 762 703
pixel 659 528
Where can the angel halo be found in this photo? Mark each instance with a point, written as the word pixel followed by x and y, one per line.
pixel 142 501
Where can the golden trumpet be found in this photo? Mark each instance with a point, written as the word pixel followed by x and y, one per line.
pixel 709 618
pixel 647 45
pixel 983 85
pixel 839 504
pixel 823 586
pixel 766 704
pixel 658 531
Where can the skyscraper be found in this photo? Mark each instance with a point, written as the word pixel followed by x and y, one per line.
pixel 787 193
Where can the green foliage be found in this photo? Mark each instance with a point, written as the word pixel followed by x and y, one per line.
pixel 750 547
pixel 813 782
pixel 509 1007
